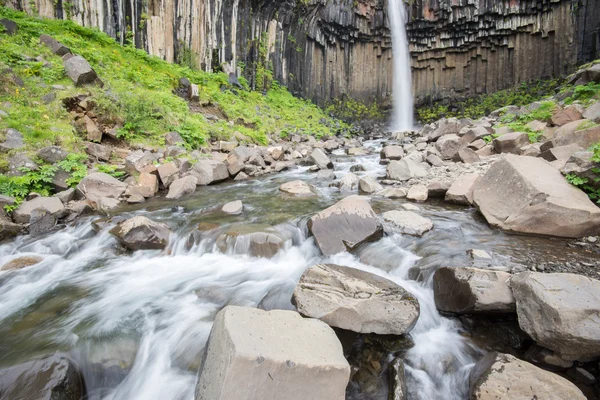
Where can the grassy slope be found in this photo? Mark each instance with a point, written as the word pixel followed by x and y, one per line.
pixel 138 92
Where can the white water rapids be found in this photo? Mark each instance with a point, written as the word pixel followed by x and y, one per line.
pixel 402 115
pixel 136 324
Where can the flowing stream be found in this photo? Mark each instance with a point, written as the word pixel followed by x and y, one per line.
pixel 402 116
pixel 136 323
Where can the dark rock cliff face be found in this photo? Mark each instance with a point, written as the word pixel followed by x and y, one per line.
pixel 328 49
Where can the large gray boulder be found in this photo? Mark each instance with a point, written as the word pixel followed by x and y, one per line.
pixel 528 195
pixel 511 142
pixel 369 185
pixel 584 138
pixel 408 222
pixel 345 225
pixel 461 191
pixel 50 378
pixel 449 145
pixel 141 233
pixel 320 159
pixel 560 312
pixel 393 152
pixel 182 187
pixel 99 184
pixel 13 140
pixel 404 170
pixel 255 240
pixel 253 354
pixel 503 376
pixel 79 70
pixel 53 205
pixel 355 300
pixel 209 171
pixel 52 154
pixel 472 290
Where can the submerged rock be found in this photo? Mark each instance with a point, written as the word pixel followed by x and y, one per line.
pixel 502 376
pixel 355 300
pixel 255 354
pixel 141 233
pixel 254 240
pixel 560 312
pixel 345 225
pixel 528 195
pixel 21 262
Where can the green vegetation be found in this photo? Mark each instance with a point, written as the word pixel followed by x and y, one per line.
pixel 584 94
pixel 139 96
pixel 350 110
pixel 480 106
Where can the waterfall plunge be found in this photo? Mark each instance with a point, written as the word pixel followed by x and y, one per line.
pixel 402 116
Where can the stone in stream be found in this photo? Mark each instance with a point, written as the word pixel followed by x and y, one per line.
pixel 254 240
pixel 461 191
pixel 53 377
pixel 232 208
pixel 99 184
pixel 472 290
pixel 320 159
pixel 209 171
pixel 182 187
pixel 355 300
pixel 393 193
pixel 21 262
pixel 141 233
pixel 345 225
pixel 298 188
pixel 503 376
pixel 528 195
pixel 255 354
pixel 348 183
pixel 41 221
pixel 369 185
pixel 53 205
pixel 408 222
pixel 418 193
pixel 560 312
pixel 404 170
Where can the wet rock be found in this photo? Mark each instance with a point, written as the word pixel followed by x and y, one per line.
pixel 369 185
pixel 98 151
pixel 437 189
pixel 168 173
pixel 502 376
pixel 107 204
pixel 13 140
pixel 526 194
pixel 241 177
pixel 53 377
pixel 511 142
pixel 357 151
pixel 345 225
pixel 356 168
pixel 408 222
pixel 135 199
pixel 298 188
pixel 52 154
pixel 348 183
pixel 255 354
pixel 99 184
pixel 393 193
pixel 182 187
pixel 559 311
pixel 23 214
pixel 418 193
pixel 233 207
pixel 392 152
pixel 320 159
pixel 546 358
pixel 409 207
pixel 325 174
pixel 355 300
pixel 8 229
pixel 80 71
pixel 209 171
pixel 254 240
pixel 472 290
pixel 21 262
pixel 404 170
pixel 461 191
pixel 141 233
pixel 41 221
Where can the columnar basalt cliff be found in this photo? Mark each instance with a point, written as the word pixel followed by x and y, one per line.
pixel 324 49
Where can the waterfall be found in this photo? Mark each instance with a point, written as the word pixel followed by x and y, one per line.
pixel 402 115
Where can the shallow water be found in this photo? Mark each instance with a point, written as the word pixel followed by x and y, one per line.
pixel 137 323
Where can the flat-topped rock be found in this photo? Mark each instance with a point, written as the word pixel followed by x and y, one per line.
pixel 99 184
pixel 298 188
pixel 355 300
pixel 253 354
pixel 408 222
pixel 53 205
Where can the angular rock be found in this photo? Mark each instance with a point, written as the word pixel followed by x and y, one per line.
pixel 137 160
pixel 437 189
pixel 561 117
pixel 253 240
pixel 41 221
pixel 255 354
pixel 560 152
pixel 392 152
pixel 57 48
pixel 298 188
pixel 99 184
pixel 209 171
pixel 107 204
pixel 434 160
pixel 147 184
pixel 357 151
pixel 237 158
pixel 526 194
pixel 23 214
pixel 53 377
pixel 345 225
pixel 404 170
pixel 448 146
pixel 348 183
pixel 461 191
pixel 592 113
pixel 408 222
pixel 393 193
pixel 141 233
pixel 369 185
pixel 182 187
pixel 168 173
pixel 52 154
pixel 418 193
pixel 13 140
pixel 10 27
pixel 79 70
pixel 320 159
pixel 560 312
pixel 355 300
pixel 468 156
pixel 584 138
pixel 173 138
pixel 100 152
pixel 18 162
pixel 511 142
pixel 503 376
pixel 472 290
pixel 135 199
